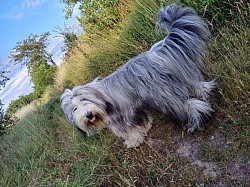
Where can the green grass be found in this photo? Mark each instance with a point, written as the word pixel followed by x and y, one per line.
pixel 44 150
pixel 22 151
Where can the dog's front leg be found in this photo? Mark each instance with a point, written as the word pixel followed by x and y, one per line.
pixel 132 134
pixel 134 137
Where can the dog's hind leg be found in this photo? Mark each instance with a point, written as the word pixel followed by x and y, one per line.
pixel 205 90
pixel 198 113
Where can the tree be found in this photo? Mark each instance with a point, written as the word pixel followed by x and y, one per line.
pixel 42 76
pixel 29 52
pixel 3 117
pixel 95 15
pixel 70 40
pixel 3 78
pixel 32 53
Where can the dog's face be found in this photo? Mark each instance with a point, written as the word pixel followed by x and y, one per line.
pixel 84 109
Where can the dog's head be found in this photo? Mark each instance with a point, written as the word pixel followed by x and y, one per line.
pixel 85 108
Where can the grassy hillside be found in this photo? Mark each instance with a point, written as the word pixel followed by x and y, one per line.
pixel 44 150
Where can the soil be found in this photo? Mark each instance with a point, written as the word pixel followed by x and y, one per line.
pixel 217 163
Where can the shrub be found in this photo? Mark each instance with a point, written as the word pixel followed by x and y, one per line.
pixel 42 76
pixel 20 102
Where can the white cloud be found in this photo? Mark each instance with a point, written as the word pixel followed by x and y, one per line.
pixel 19 84
pixel 17 11
pixel 18 16
pixel 32 3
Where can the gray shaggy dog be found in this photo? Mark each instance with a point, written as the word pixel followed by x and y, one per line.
pixel 166 79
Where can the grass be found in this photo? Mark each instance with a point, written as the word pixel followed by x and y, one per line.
pixel 44 150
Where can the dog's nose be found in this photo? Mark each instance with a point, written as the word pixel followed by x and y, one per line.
pixel 89 115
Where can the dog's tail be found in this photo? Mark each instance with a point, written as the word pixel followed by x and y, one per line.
pixel 186 32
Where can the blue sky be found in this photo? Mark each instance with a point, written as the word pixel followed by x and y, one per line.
pixel 19 18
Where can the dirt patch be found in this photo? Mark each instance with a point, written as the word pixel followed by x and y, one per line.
pixel 239 169
pixel 189 150
pixel 228 171
pixel 218 141
pixel 158 145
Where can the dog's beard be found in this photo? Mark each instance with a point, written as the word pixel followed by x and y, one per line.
pixel 83 113
pixel 90 125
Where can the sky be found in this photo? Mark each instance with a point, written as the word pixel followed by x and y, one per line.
pixel 18 19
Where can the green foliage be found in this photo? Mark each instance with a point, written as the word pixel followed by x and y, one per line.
pixel 70 40
pixel 96 15
pixel 3 117
pixel 5 120
pixel 99 15
pixel 30 52
pixel 44 150
pixel 42 76
pixel 15 105
pixel 221 11
pixel 3 78
pixel 69 6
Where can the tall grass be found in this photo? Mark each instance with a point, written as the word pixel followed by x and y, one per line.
pixel 231 67
pixel 23 151
pixel 44 150
pixel 103 53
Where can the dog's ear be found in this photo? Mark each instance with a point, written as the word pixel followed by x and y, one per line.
pixel 109 108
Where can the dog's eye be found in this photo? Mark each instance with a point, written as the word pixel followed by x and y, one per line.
pixel 83 99
pixel 74 109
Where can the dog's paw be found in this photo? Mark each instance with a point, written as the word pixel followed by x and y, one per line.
pixel 192 129
pixel 133 142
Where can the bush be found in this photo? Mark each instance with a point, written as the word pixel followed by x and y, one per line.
pixel 42 76
pixel 96 15
pixel 101 14
pixel 15 105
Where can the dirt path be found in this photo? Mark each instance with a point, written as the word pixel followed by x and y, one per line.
pixel 209 151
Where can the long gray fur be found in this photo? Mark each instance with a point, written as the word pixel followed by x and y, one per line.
pixel 167 78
